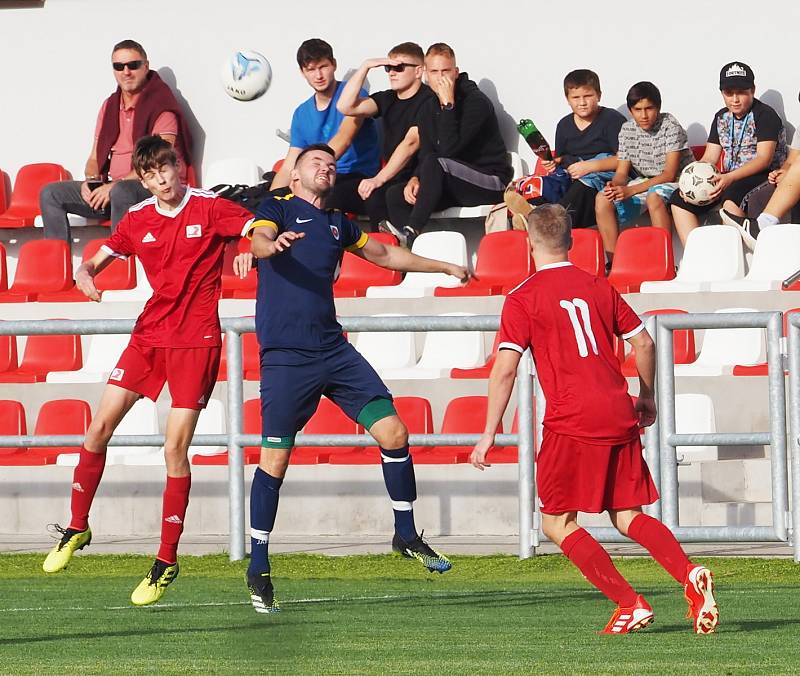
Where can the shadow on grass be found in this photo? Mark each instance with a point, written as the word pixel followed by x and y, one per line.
pixel 282 622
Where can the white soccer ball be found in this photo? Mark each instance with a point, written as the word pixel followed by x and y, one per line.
pixel 696 183
pixel 246 75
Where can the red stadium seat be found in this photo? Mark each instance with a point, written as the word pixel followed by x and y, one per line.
pixel 464 415
pixel 3 194
pixel 761 369
pixel 61 416
pixel 44 354
pixel 416 414
pixel 120 275
pixel 8 354
pixel 24 206
pixel 481 371
pixel 3 270
pixel 698 152
pixel 328 419
pixel 232 286
pixel 682 341
pixel 587 252
pixel 643 254
pixel 504 260
pixel 357 274
pixel 12 423
pixel 251 364
pixel 44 266
pixel 278 164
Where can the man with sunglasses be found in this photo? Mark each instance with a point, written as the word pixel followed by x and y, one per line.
pixel 398 107
pixel 142 105
pixel 317 120
pixel 462 156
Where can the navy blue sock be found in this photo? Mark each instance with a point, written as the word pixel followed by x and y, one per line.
pixel 398 475
pixel 263 508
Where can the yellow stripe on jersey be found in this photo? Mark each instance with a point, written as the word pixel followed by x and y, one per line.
pixel 261 223
pixel 360 244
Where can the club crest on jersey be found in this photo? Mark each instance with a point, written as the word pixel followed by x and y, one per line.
pixel 335 231
pixel 117 374
pixel 194 231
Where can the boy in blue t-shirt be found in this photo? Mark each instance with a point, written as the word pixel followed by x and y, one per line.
pixel 316 120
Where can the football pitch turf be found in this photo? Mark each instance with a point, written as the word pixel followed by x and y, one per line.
pixel 384 614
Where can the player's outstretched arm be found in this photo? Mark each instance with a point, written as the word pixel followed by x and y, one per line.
pixel 267 242
pixel 501 382
pixel 397 258
pixel 645 349
pixel 85 274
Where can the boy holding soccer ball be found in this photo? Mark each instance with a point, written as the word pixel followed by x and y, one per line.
pixel 749 137
pixel 656 146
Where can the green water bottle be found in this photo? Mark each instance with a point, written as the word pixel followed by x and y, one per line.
pixel 535 140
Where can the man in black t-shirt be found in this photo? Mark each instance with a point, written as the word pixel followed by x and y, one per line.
pixel 398 108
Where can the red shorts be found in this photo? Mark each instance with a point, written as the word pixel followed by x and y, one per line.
pixel 573 476
pixel 190 373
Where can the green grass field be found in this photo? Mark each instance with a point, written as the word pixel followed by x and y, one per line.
pixel 384 614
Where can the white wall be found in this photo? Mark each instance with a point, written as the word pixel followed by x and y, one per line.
pixel 55 60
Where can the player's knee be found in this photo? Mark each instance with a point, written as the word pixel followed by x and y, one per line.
pixel 395 435
pixel 654 202
pixel 99 432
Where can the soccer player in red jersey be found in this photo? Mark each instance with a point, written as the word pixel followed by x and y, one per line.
pixel 179 235
pixel 590 458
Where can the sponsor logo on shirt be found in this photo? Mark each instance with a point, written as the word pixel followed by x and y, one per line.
pixel 194 231
pixel 335 231
pixel 148 238
pixel 117 374
pixel 302 220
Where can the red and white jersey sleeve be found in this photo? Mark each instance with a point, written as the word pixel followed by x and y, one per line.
pixel 570 321
pixel 230 219
pixel 119 244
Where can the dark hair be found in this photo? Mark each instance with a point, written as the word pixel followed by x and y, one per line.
pixel 581 78
pixel 130 44
pixel 551 226
pixel 314 50
pixel 324 147
pixel 151 152
pixel 408 49
pixel 643 90
pixel 441 49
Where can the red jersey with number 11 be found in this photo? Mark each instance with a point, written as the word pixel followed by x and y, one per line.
pixel 568 319
pixel 181 251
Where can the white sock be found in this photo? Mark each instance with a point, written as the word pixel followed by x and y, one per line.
pixel 765 220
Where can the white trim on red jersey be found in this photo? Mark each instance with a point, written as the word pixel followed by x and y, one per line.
pixel 510 346
pixel 113 253
pixel 560 264
pixel 143 203
pixel 631 334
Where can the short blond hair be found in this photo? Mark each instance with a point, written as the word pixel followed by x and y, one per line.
pixel 441 49
pixel 550 227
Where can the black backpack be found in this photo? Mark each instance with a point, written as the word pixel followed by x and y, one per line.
pixel 249 196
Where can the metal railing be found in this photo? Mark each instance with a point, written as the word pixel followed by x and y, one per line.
pixel 236 440
pixel 661 439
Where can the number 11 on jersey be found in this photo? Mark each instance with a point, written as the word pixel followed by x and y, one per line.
pixel 582 326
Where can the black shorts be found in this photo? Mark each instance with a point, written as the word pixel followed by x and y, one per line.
pixel 292 382
pixel 736 193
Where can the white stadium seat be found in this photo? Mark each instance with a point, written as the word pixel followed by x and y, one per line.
pixel 776 257
pixel 387 349
pixel 713 253
pixel 723 349
pixel 443 351
pixel 445 246
pixel 102 356
pixel 233 171
pixel 694 414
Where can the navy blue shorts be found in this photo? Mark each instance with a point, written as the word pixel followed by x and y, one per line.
pixel 292 382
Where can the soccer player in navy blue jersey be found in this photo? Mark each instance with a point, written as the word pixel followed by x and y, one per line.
pixel 299 246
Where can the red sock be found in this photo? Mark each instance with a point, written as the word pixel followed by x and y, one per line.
pixel 85 480
pixel 657 539
pixel 176 499
pixel 596 565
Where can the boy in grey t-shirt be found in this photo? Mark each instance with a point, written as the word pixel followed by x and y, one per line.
pixel 656 147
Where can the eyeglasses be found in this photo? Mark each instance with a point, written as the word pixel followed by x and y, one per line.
pixel 130 65
pixel 399 67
